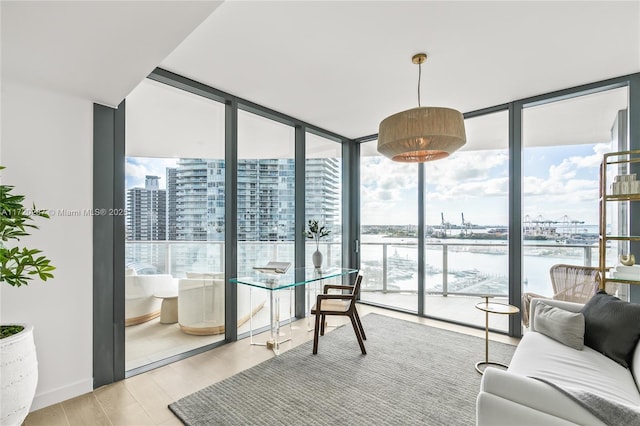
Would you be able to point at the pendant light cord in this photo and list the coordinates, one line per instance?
(419, 77)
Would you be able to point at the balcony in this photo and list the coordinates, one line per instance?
(457, 274)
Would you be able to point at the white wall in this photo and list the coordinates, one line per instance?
(46, 146)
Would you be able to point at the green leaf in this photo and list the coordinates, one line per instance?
(17, 265)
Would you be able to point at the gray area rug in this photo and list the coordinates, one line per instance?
(412, 374)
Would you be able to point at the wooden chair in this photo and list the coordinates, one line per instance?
(343, 303)
(571, 283)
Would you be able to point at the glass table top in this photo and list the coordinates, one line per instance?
(292, 278)
(497, 308)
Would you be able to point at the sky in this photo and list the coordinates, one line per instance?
(559, 182)
(136, 168)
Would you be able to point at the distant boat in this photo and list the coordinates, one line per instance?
(400, 267)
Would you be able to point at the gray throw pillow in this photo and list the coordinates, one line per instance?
(612, 327)
(561, 325)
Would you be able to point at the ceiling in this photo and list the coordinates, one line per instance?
(96, 50)
(342, 66)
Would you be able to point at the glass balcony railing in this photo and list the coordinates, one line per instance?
(452, 268)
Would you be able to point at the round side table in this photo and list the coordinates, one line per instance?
(494, 308)
(168, 308)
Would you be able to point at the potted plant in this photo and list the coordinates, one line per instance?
(315, 232)
(18, 266)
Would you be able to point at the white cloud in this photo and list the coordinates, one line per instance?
(136, 168)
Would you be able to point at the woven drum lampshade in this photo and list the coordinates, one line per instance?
(421, 134)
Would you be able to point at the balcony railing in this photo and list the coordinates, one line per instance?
(389, 267)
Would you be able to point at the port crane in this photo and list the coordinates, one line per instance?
(466, 225)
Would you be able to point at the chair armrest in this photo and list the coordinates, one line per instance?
(334, 296)
(337, 287)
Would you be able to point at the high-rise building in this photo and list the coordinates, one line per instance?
(171, 203)
(192, 208)
(266, 198)
(199, 189)
(323, 191)
(146, 212)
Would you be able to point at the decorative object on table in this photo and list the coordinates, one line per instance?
(627, 259)
(421, 134)
(274, 267)
(316, 232)
(18, 360)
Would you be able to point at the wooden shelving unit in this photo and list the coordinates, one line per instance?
(610, 161)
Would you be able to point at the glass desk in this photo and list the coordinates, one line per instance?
(273, 282)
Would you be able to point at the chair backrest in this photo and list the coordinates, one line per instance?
(573, 283)
(356, 285)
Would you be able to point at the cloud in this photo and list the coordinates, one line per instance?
(468, 166)
(478, 182)
(136, 168)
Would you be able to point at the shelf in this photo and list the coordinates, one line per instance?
(612, 163)
(621, 280)
(622, 238)
(623, 197)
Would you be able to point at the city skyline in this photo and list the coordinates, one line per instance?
(559, 182)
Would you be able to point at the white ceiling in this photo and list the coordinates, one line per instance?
(344, 66)
(97, 50)
(339, 65)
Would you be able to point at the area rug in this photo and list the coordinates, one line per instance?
(412, 374)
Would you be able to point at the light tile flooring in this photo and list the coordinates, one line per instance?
(151, 341)
(142, 400)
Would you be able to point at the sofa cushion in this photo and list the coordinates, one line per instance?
(540, 357)
(612, 327)
(561, 325)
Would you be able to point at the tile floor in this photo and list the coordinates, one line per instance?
(142, 400)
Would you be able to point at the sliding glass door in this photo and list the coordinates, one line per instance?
(175, 217)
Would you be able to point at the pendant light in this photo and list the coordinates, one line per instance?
(421, 134)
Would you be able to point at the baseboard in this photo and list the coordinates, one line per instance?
(45, 399)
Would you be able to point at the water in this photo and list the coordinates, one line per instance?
(474, 266)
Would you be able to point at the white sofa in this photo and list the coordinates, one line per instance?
(516, 397)
(140, 304)
(201, 304)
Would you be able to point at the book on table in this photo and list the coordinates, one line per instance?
(274, 267)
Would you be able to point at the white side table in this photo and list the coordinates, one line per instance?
(168, 308)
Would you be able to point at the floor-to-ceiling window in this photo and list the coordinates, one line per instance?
(175, 216)
(467, 220)
(563, 146)
(266, 206)
(184, 134)
(466, 225)
(323, 197)
(388, 230)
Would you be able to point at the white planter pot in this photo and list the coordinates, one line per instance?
(18, 376)
(316, 258)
